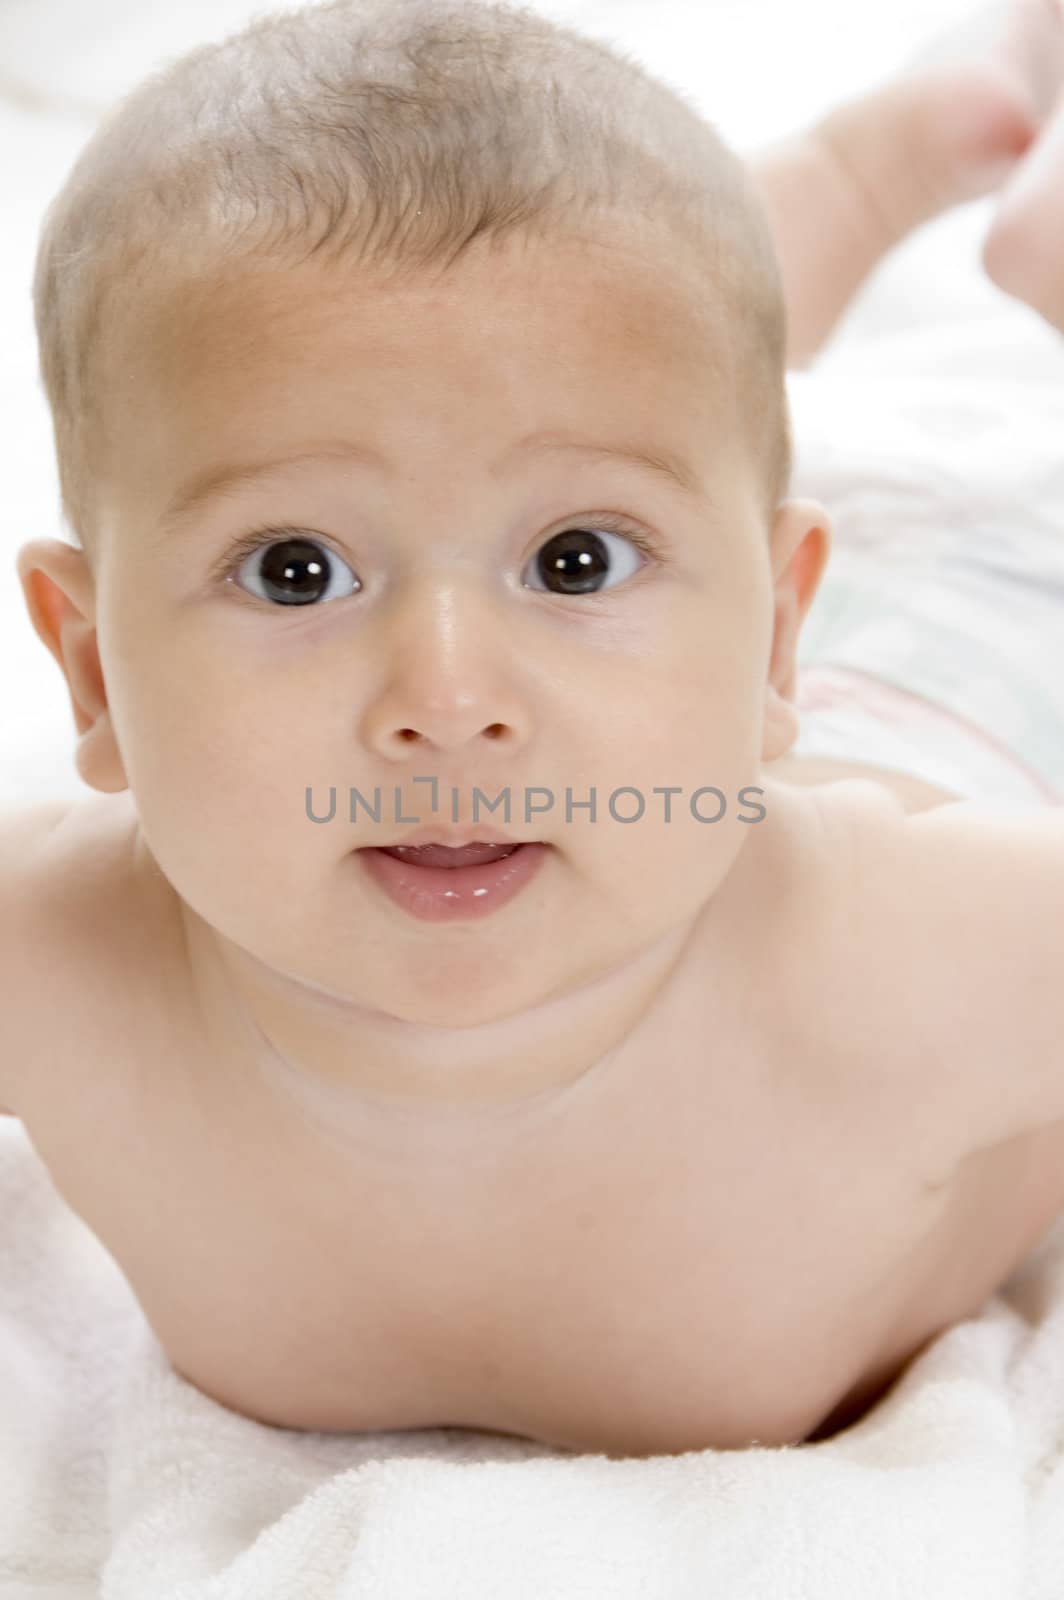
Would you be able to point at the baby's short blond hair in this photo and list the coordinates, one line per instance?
(390, 134)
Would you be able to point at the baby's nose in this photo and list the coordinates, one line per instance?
(448, 721)
(453, 679)
(406, 721)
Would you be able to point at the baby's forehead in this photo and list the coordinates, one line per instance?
(439, 374)
(635, 281)
(586, 340)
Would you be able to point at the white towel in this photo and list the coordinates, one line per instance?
(120, 1481)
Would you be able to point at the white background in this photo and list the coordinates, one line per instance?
(757, 68)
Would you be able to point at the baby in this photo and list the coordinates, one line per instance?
(462, 1006)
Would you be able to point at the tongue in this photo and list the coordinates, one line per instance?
(442, 855)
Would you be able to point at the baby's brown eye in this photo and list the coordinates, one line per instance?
(575, 561)
(297, 572)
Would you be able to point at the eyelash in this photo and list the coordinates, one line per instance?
(269, 533)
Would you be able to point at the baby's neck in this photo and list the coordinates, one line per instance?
(370, 1080)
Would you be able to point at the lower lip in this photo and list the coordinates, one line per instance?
(449, 894)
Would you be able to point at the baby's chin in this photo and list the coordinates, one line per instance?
(437, 985)
(402, 989)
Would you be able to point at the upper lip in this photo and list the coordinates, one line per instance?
(476, 833)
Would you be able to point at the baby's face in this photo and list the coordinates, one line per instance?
(437, 627)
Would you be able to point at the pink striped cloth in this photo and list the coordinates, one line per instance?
(852, 715)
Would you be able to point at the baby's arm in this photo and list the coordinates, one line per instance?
(23, 956)
(969, 910)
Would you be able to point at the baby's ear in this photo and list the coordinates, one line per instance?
(60, 595)
(799, 548)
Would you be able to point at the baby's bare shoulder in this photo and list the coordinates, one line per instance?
(24, 836)
(958, 918)
(881, 975)
(67, 899)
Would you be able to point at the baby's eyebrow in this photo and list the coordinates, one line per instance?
(666, 465)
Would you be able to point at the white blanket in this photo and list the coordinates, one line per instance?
(120, 1480)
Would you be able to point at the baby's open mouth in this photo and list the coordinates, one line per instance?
(443, 855)
(440, 882)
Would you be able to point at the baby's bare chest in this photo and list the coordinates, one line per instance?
(709, 1264)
